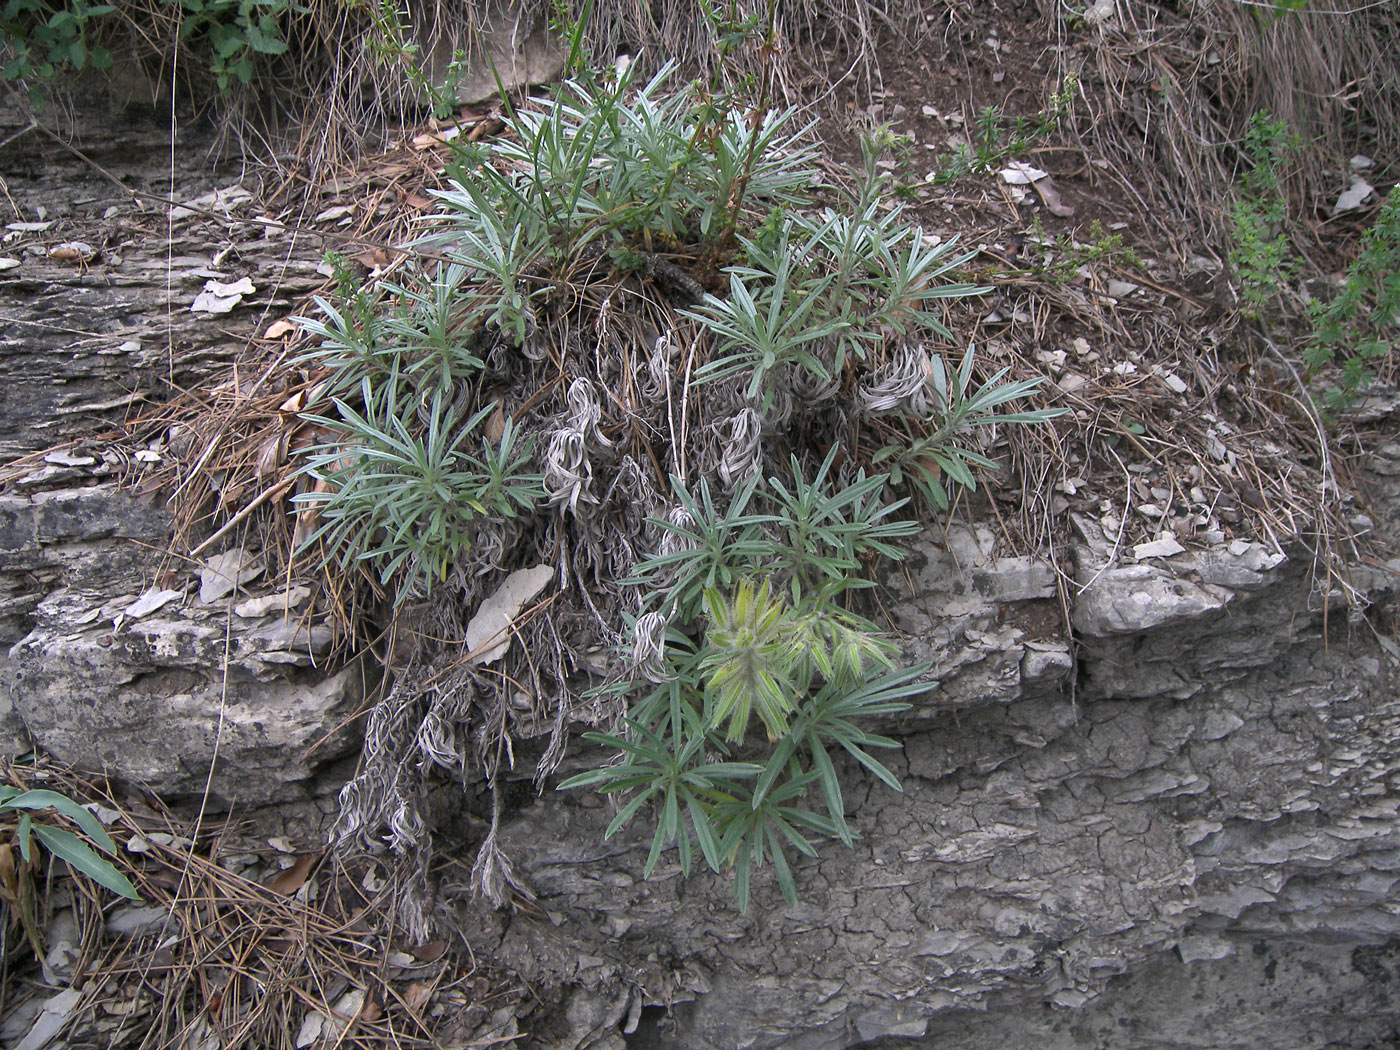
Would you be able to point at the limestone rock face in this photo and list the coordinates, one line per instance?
(108, 659)
(1147, 804)
(157, 697)
(1198, 781)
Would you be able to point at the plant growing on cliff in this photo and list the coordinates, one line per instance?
(1352, 329)
(1261, 255)
(691, 367)
(809, 672)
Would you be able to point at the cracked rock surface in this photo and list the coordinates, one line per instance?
(1170, 824)
(151, 697)
(1207, 766)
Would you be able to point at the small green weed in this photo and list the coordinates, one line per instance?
(1351, 330)
(1065, 258)
(1358, 324)
(997, 138)
(1261, 255)
(238, 34)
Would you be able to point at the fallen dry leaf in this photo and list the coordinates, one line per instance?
(272, 453)
(430, 952)
(337, 211)
(294, 404)
(1018, 173)
(294, 878)
(73, 252)
(282, 601)
(1353, 196)
(496, 424)
(488, 631)
(416, 995)
(9, 879)
(374, 259)
(278, 329)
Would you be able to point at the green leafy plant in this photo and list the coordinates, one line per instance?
(1063, 259)
(742, 813)
(707, 548)
(238, 33)
(77, 851)
(1261, 255)
(528, 209)
(45, 38)
(926, 449)
(819, 290)
(578, 264)
(779, 325)
(409, 501)
(998, 138)
(1357, 325)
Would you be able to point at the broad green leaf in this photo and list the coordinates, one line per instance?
(68, 847)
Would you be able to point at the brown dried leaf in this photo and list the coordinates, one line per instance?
(373, 259)
(294, 878)
(73, 252)
(416, 995)
(417, 201)
(9, 877)
(296, 403)
(496, 424)
(272, 453)
(278, 329)
(430, 952)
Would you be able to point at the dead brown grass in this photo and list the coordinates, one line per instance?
(228, 947)
(1168, 92)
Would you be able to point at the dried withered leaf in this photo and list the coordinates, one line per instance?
(287, 882)
(9, 878)
(496, 424)
(374, 259)
(272, 453)
(416, 995)
(73, 252)
(430, 952)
